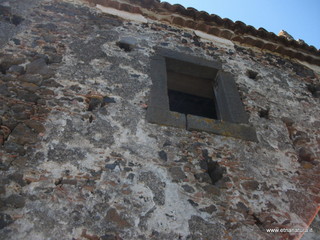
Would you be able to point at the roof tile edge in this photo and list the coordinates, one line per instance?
(214, 25)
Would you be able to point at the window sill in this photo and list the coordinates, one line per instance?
(240, 131)
(195, 123)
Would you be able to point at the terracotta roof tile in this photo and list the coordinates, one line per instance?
(215, 18)
(240, 24)
(270, 46)
(202, 27)
(215, 25)
(226, 34)
(228, 23)
(178, 20)
(178, 8)
(214, 31)
(262, 33)
(204, 16)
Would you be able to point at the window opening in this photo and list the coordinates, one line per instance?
(195, 94)
(191, 104)
(190, 88)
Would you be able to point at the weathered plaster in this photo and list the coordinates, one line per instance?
(211, 38)
(123, 14)
(90, 166)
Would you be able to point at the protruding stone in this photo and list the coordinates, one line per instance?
(5, 220)
(114, 217)
(32, 78)
(51, 83)
(9, 60)
(163, 155)
(203, 177)
(210, 209)
(188, 188)
(18, 178)
(215, 171)
(12, 147)
(29, 86)
(39, 66)
(9, 122)
(28, 96)
(127, 43)
(306, 155)
(15, 201)
(95, 103)
(2, 190)
(3, 108)
(212, 190)
(193, 203)
(51, 27)
(288, 121)
(177, 174)
(4, 90)
(251, 185)
(21, 111)
(112, 166)
(54, 58)
(315, 90)
(107, 100)
(5, 131)
(1, 139)
(23, 135)
(16, 70)
(35, 125)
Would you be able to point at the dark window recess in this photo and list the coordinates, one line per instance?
(264, 113)
(190, 88)
(126, 47)
(252, 74)
(191, 104)
(215, 171)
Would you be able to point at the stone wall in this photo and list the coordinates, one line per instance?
(80, 161)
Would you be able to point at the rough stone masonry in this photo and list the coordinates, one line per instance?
(78, 160)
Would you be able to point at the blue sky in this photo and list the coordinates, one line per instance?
(300, 18)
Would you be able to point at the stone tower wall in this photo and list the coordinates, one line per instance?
(79, 160)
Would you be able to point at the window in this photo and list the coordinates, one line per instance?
(190, 88)
(195, 94)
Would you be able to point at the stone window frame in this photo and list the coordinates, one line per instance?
(232, 119)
